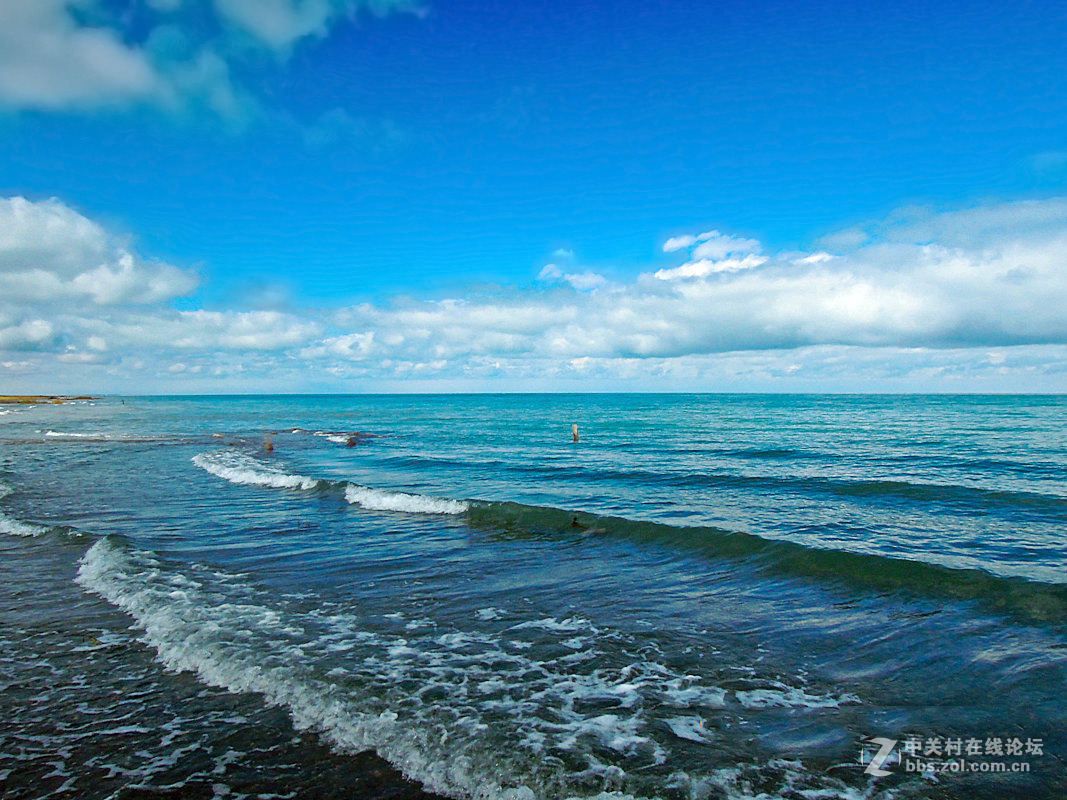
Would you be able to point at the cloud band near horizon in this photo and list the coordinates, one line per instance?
(893, 298)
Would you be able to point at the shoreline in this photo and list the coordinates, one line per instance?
(40, 399)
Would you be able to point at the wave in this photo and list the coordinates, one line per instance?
(955, 497)
(100, 436)
(241, 468)
(347, 438)
(381, 500)
(467, 713)
(16, 527)
(1030, 600)
(236, 467)
(192, 631)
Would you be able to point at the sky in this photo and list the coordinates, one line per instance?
(216, 196)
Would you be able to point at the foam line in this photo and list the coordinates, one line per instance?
(15, 527)
(242, 469)
(382, 500)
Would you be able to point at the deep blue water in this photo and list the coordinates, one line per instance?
(706, 596)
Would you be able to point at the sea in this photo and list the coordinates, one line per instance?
(404, 596)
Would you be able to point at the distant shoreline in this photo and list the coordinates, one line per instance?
(40, 399)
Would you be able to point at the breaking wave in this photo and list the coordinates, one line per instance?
(241, 468)
(16, 527)
(236, 467)
(381, 500)
(1031, 600)
(516, 712)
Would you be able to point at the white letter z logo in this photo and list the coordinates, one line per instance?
(875, 767)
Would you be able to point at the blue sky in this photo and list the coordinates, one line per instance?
(288, 195)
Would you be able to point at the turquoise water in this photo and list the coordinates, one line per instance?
(707, 596)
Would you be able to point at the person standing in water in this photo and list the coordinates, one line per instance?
(574, 431)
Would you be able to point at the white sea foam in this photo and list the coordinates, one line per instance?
(684, 693)
(237, 467)
(691, 728)
(383, 500)
(192, 633)
(783, 696)
(468, 713)
(560, 626)
(789, 779)
(336, 438)
(15, 527)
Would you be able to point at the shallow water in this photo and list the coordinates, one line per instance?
(708, 596)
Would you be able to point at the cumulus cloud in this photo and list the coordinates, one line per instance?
(278, 24)
(70, 287)
(29, 335)
(711, 252)
(582, 281)
(990, 276)
(48, 60)
(208, 331)
(711, 245)
(49, 252)
(85, 54)
(971, 295)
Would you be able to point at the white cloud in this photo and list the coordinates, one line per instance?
(82, 54)
(155, 330)
(278, 24)
(678, 242)
(711, 245)
(934, 300)
(582, 281)
(248, 330)
(49, 253)
(814, 258)
(351, 347)
(898, 290)
(709, 253)
(704, 267)
(29, 335)
(49, 61)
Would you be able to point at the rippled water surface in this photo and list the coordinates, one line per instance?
(707, 596)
